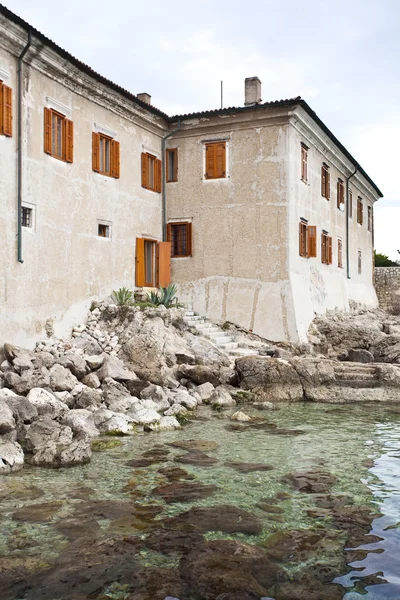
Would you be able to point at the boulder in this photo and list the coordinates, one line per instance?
(240, 416)
(24, 412)
(6, 366)
(387, 350)
(205, 352)
(116, 396)
(176, 409)
(340, 332)
(221, 397)
(11, 457)
(65, 397)
(265, 405)
(81, 421)
(94, 362)
(89, 399)
(200, 374)
(75, 363)
(92, 381)
(22, 364)
(44, 359)
(12, 352)
(269, 379)
(36, 378)
(144, 416)
(6, 393)
(61, 379)
(7, 422)
(168, 423)
(205, 390)
(114, 367)
(88, 344)
(107, 421)
(46, 403)
(185, 399)
(360, 356)
(153, 392)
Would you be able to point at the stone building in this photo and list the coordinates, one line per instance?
(258, 213)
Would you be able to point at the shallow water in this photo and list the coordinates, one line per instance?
(359, 445)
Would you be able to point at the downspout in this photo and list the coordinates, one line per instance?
(163, 170)
(347, 224)
(19, 157)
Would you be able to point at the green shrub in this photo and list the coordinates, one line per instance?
(165, 297)
(122, 297)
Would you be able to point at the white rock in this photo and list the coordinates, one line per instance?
(176, 409)
(240, 416)
(6, 393)
(11, 457)
(144, 416)
(65, 397)
(168, 423)
(220, 397)
(7, 422)
(94, 362)
(46, 403)
(81, 421)
(205, 390)
(107, 420)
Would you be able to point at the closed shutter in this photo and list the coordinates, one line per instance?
(323, 181)
(140, 271)
(7, 111)
(302, 239)
(157, 175)
(164, 264)
(96, 152)
(145, 170)
(312, 241)
(338, 194)
(1, 107)
(328, 185)
(220, 158)
(323, 249)
(210, 161)
(115, 160)
(69, 141)
(329, 251)
(189, 244)
(176, 164)
(47, 130)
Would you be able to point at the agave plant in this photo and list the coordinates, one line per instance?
(166, 297)
(122, 297)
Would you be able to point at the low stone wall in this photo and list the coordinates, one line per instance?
(387, 285)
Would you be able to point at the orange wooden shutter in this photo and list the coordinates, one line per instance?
(169, 232)
(115, 160)
(329, 261)
(189, 239)
(301, 239)
(312, 241)
(7, 111)
(1, 107)
(145, 170)
(176, 164)
(96, 152)
(220, 160)
(47, 130)
(157, 175)
(210, 160)
(69, 141)
(140, 271)
(164, 264)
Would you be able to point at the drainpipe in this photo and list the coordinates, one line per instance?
(347, 224)
(19, 159)
(163, 169)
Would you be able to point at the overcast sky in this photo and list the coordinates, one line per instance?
(341, 57)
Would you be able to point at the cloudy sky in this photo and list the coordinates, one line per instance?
(342, 57)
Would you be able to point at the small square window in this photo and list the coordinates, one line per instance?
(104, 230)
(27, 217)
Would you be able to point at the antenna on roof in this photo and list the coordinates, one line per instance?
(222, 94)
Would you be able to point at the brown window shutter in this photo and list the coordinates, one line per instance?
(303, 240)
(169, 232)
(1, 107)
(164, 264)
(145, 170)
(7, 111)
(188, 239)
(47, 130)
(210, 161)
(157, 175)
(329, 261)
(96, 152)
(220, 160)
(69, 141)
(115, 159)
(328, 185)
(176, 165)
(323, 247)
(140, 272)
(338, 194)
(323, 180)
(312, 241)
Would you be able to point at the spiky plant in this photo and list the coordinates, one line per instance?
(122, 297)
(166, 297)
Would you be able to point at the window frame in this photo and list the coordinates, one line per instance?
(105, 140)
(108, 225)
(369, 218)
(340, 201)
(340, 252)
(325, 181)
(189, 239)
(304, 163)
(32, 208)
(6, 116)
(360, 210)
(171, 152)
(326, 248)
(148, 159)
(50, 135)
(216, 175)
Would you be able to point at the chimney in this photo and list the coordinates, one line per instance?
(252, 91)
(144, 98)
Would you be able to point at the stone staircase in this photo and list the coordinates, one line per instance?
(357, 375)
(217, 336)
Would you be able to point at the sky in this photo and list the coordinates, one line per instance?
(342, 57)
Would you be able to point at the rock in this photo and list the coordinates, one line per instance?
(109, 422)
(24, 412)
(185, 399)
(311, 481)
(201, 445)
(46, 403)
(184, 491)
(360, 356)
(75, 363)
(344, 331)
(168, 423)
(205, 390)
(197, 458)
(221, 397)
(44, 359)
(222, 517)
(153, 392)
(144, 416)
(6, 393)
(270, 379)
(89, 398)
(81, 421)
(88, 344)
(36, 378)
(240, 416)
(12, 352)
(61, 379)
(22, 364)
(65, 397)
(176, 409)
(243, 467)
(185, 358)
(265, 405)
(11, 457)
(49, 444)
(7, 422)
(6, 366)
(116, 396)
(387, 350)
(92, 381)
(199, 374)
(94, 362)
(114, 367)
(38, 513)
(205, 352)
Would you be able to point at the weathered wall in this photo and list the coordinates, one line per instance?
(387, 285)
(66, 264)
(239, 268)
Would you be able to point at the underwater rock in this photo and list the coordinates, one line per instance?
(175, 473)
(197, 458)
(222, 517)
(172, 542)
(310, 482)
(243, 467)
(183, 491)
(201, 445)
(38, 513)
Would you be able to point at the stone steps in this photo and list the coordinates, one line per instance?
(357, 375)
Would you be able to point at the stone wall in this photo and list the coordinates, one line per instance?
(387, 285)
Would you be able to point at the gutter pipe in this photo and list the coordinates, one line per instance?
(347, 223)
(19, 157)
(163, 169)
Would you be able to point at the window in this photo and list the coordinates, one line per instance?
(58, 135)
(369, 218)
(105, 155)
(359, 262)
(151, 172)
(307, 240)
(5, 110)
(340, 253)
(304, 163)
(325, 182)
(326, 249)
(172, 164)
(180, 236)
(104, 230)
(340, 193)
(26, 217)
(350, 204)
(359, 211)
(153, 263)
(215, 161)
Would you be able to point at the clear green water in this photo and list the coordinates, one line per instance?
(337, 438)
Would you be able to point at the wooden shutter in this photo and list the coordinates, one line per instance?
(164, 264)
(220, 160)
(47, 130)
(176, 164)
(210, 161)
(189, 244)
(157, 175)
(7, 111)
(350, 203)
(302, 239)
(338, 194)
(140, 271)
(323, 181)
(69, 141)
(312, 241)
(1, 108)
(328, 185)
(115, 159)
(329, 250)
(323, 248)
(145, 170)
(96, 152)
(169, 232)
